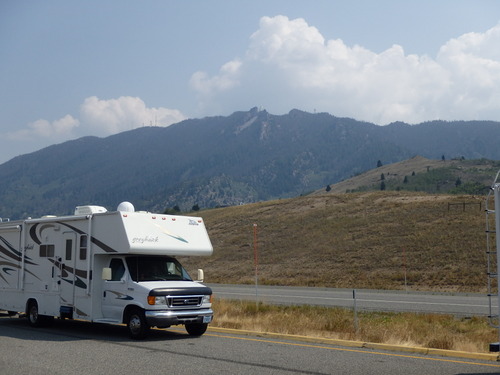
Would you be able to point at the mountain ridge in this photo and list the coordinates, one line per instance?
(245, 157)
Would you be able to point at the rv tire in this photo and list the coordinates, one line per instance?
(136, 324)
(196, 329)
(34, 318)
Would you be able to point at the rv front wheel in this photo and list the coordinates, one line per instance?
(196, 329)
(136, 323)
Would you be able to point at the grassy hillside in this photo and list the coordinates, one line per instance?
(355, 240)
(422, 174)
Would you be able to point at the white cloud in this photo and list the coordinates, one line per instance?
(473, 60)
(97, 117)
(227, 79)
(55, 130)
(112, 116)
(290, 64)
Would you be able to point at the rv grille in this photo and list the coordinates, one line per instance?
(184, 301)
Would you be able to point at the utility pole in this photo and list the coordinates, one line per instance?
(256, 263)
(496, 190)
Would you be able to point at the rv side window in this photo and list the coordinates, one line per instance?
(117, 269)
(46, 251)
(83, 247)
(69, 247)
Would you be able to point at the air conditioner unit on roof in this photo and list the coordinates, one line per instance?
(89, 210)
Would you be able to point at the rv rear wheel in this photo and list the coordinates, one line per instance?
(136, 323)
(196, 329)
(34, 318)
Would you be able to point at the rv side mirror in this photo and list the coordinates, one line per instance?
(201, 275)
(106, 273)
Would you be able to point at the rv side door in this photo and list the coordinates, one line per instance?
(66, 272)
(115, 296)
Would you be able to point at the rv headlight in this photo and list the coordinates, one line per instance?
(157, 300)
(206, 299)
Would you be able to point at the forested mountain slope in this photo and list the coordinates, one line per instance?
(246, 157)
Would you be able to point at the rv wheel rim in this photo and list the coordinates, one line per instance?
(33, 314)
(135, 324)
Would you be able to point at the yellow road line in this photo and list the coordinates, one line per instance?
(352, 350)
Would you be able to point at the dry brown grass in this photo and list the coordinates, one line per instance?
(407, 329)
(351, 241)
(354, 241)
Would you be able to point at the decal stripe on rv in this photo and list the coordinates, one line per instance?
(94, 240)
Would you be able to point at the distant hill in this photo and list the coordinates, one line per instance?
(457, 176)
(248, 156)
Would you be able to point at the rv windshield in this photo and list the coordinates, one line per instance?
(156, 269)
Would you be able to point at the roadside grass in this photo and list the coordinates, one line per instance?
(470, 334)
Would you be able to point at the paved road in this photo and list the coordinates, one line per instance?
(457, 304)
(71, 347)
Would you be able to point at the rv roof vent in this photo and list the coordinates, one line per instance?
(89, 210)
(126, 207)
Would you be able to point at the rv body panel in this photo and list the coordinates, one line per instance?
(146, 233)
(51, 262)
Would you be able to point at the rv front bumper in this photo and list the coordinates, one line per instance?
(166, 318)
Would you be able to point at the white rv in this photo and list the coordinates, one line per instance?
(107, 267)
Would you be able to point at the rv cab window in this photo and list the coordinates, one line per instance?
(117, 269)
(151, 268)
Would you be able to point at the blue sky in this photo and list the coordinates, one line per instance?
(75, 68)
